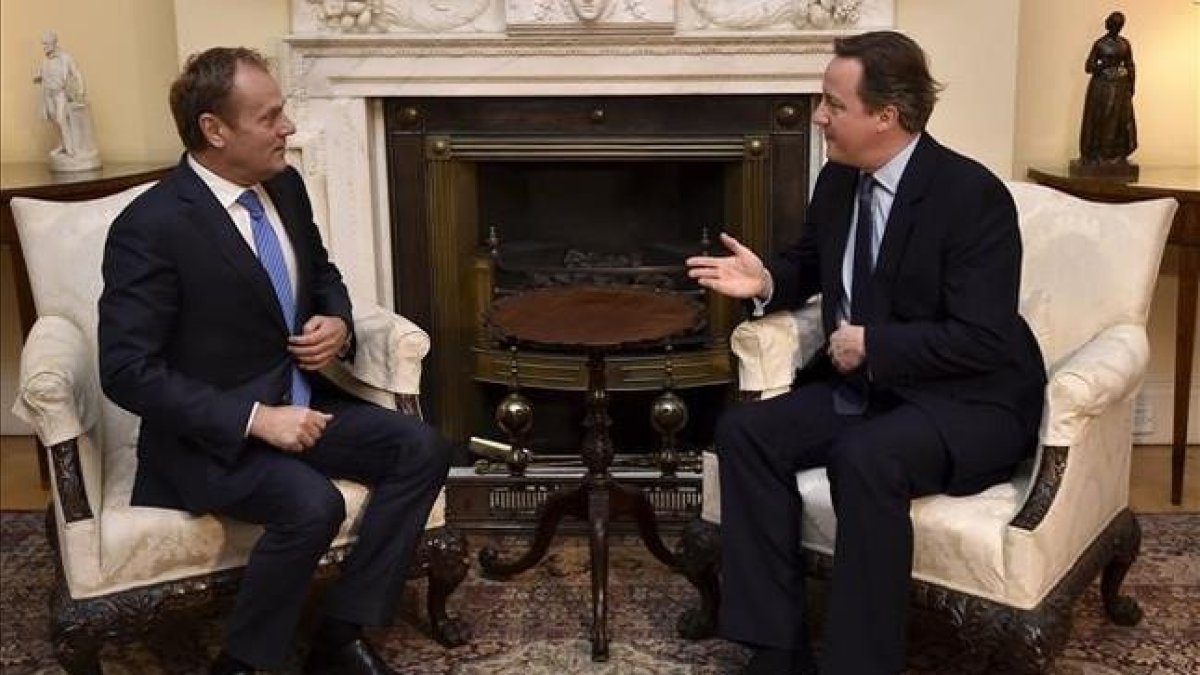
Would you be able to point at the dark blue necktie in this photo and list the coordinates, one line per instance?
(270, 255)
(864, 256)
(851, 395)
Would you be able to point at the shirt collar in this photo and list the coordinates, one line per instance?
(225, 190)
(888, 175)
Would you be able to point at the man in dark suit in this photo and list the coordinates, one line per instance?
(929, 382)
(219, 307)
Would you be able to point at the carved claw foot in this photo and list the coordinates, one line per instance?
(490, 563)
(446, 561)
(696, 624)
(699, 556)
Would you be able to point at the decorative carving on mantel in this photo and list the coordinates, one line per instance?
(585, 14)
(382, 16)
(765, 15)
(519, 18)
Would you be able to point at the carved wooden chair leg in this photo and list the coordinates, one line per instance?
(1122, 609)
(51, 529)
(448, 562)
(75, 640)
(699, 557)
(1032, 640)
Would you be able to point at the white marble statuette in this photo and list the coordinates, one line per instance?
(64, 103)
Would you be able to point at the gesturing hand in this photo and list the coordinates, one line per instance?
(740, 275)
(290, 428)
(318, 342)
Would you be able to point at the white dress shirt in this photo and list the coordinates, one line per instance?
(227, 193)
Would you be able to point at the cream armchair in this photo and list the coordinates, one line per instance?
(1006, 565)
(122, 567)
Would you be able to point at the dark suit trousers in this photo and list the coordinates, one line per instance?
(405, 463)
(877, 463)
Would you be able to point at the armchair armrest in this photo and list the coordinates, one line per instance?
(58, 393)
(387, 361)
(1106, 369)
(770, 349)
(59, 396)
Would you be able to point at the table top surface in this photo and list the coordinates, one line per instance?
(600, 318)
(16, 175)
(1184, 179)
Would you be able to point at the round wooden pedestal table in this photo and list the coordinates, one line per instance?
(596, 321)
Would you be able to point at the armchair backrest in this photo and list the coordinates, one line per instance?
(1087, 266)
(63, 247)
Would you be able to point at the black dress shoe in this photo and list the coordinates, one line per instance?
(768, 661)
(353, 658)
(227, 665)
(231, 671)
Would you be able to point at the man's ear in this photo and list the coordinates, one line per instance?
(213, 130)
(889, 116)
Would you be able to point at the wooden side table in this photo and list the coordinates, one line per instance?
(37, 181)
(595, 321)
(1183, 184)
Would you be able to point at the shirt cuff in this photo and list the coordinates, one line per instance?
(250, 420)
(760, 304)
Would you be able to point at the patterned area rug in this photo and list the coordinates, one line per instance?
(538, 622)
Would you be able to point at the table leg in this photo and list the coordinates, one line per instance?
(598, 500)
(632, 500)
(572, 503)
(1185, 345)
(598, 515)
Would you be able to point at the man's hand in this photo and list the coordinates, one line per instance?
(290, 428)
(319, 342)
(848, 347)
(740, 275)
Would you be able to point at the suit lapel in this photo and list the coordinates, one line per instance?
(293, 225)
(213, 221)
(835, 246)
(914, 184)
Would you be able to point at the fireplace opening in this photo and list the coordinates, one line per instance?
(580, 213)
(498, 195)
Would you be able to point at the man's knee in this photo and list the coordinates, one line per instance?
(426, 451)
(856, 456)
(319, 514)
(732, 434)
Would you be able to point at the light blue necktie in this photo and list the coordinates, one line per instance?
(270, 254)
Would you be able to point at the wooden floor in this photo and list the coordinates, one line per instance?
(1149, 484)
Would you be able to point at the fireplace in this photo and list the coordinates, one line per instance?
(499, 194)
(695, 110)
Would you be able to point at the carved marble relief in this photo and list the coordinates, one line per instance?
(772, 15)
(589, 12)
(586, 16)
(380, 16)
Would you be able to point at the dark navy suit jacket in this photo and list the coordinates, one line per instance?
(191, 333)
(945, 333)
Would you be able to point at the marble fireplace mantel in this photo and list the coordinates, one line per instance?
(344, 56)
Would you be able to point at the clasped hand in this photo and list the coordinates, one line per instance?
(294, 428)
(847, 347)
(318, 342)
(289, 427)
